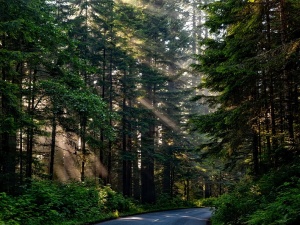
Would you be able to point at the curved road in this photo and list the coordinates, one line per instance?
(194, 216)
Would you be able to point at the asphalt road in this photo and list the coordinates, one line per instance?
(194, 216)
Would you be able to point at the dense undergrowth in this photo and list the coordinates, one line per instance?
(274, 199)
(49, 203)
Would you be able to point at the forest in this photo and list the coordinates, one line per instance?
(116, 107)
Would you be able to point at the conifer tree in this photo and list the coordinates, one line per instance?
(246, 64)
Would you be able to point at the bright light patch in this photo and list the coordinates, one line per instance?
(167, 121)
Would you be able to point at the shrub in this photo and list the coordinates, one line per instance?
(273, 199)
(285, 209)
(113, 201)
(8, 210)
(49, 203)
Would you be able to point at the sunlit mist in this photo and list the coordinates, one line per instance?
(166, 120)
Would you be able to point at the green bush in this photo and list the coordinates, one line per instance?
(208, 202)
(113, 201)
(8, 210)
(285, 209)
(79, 201)
(274, 199)
(49, 203)
(75, 203)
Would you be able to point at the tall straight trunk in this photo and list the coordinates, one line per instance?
(147, 164)
(53, 142)
(172, 178)
(148, 151)
(109, 155)
(7, 152)
(85, 40)
(21, 156)
(136, 178)
(83, 124)
(8, 161)
(166, 182)
(272, 107)
(83, 117)
(286, 74)
(30, 130)
(8, 148)
(274, 139)
(268, 152)
(256, 132)
(260, 145)
(101, 151)
(129, 149)
(127, 176)
(266, 87)
(167, 177)
(255, 152)
(136, 172)
(20, 84)
(29, 151)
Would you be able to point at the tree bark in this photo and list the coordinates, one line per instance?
(53, 143)
(147, 165)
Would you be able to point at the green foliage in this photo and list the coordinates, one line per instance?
(284, 210)
(45, 202)
(166, 202)
(49, 203)
(250, 73)
(273, 199)
(8, 122)
(209, 202)
(114, 201)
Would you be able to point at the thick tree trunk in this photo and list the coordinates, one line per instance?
(167, 182)
(147, 165)
(53, 142)
(136, 176)
(7, 162)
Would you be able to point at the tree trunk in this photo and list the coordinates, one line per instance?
(126, 146)
(109, 157)
(101, 151)
(83, 125)
(255, 153)
(136, 172)
(53, 142)
(30, 130)
(167, 189)
(8, 144)
(147, 164)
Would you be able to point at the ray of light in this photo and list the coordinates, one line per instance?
(166, 120)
